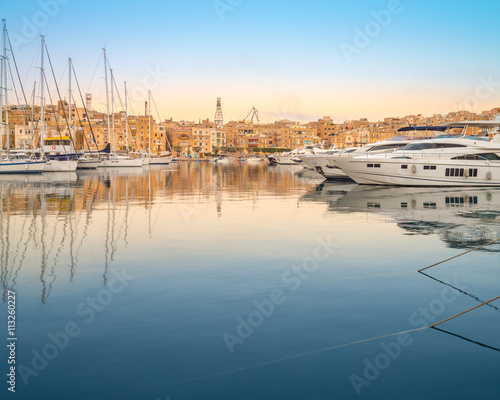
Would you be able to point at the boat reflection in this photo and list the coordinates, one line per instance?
(49, 223)
(464, 218)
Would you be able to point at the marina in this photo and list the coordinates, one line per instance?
(67, 237)
(249, 200)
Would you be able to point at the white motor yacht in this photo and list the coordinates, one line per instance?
(326, 164)
(257, 161)
(442, 161)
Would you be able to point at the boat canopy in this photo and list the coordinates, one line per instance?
(475, 124)
(50, 139)
(423, 128)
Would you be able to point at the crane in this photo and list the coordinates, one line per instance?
(254, 113)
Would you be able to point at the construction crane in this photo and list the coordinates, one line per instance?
(254, 113)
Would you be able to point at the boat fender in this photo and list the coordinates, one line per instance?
(488, 175)
(414, 168)
(466, 173)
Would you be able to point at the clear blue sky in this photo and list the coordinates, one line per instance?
(283, 57)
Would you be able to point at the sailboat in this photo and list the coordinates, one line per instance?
(17, 162)
(57, 150)
(115, 160)
(84, 162)
(160, 159)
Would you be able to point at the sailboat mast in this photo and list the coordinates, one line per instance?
(149, 126)
(113, 111)
(126, 115)
(107, 93)
(42, 107)
(5, 84)
(2, 127)
(69, 100)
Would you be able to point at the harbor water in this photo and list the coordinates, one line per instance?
(201, 281)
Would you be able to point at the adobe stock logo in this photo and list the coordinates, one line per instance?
(31, 27)
(373, 28)
(223, 6)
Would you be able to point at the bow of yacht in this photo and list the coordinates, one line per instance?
(441, 161)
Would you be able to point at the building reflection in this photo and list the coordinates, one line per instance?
(50, 222)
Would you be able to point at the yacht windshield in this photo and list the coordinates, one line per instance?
(432, 145)
(483, 156)
(386, 147)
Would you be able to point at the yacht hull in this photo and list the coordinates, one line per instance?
(60, 166)
(21, 167)
(331, 172)
(160, 161)
(314, 161)
(88, 164)
(285, 160)
(257, 161)
(422, 172)
(121, 163)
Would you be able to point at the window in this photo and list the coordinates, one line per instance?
(483, 156)
(454, 172)
(432, 145)
(404, 166)
(432, 206)
(385, 147)
(404, 205)
(449, 145)
(430, 167)
(460, 201)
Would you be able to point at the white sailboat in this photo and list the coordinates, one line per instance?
(115, 160)
(84, 162)
(17, 162)
(58, 148)
(159, 159)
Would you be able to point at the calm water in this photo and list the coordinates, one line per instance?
(206, 282)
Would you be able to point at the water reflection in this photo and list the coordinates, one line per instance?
(466, 339)
(463, 218)
(46, 220)
(49, 223)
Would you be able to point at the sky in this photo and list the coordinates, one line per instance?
(300, 60)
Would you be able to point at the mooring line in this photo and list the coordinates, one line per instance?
(464, 312)
(257, 365)
(199, 378)
(459, 255)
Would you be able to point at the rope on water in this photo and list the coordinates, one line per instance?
(459, 255)
(464, 312)
(258, 365)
